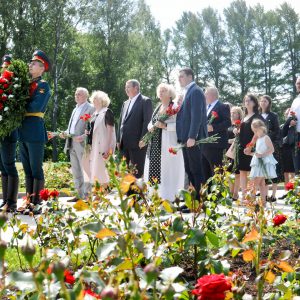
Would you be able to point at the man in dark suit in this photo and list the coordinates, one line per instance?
(135, 115)
(191, 126)
(218, 116)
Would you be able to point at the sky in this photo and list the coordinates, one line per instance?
(167, 12)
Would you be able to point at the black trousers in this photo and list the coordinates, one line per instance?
(193, 167)
(211, 158)
(136, 157)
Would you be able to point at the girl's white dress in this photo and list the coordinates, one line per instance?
(265, 166)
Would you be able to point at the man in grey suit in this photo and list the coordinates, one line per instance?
(191, 125)
(75, 145)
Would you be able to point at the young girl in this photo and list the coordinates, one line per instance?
(263, 163)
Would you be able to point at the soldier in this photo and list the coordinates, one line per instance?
(9, 173)
(32, 132)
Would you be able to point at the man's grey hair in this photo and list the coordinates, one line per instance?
(134, 83)
(214, 90)
(84, 90)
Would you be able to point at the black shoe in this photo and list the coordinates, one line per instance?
(73, 200)
(271, 199)
(282, 197)
(257, 194)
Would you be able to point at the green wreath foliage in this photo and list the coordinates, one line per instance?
(14, 95)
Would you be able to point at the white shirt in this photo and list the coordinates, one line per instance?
(75, 116)
(211, 106)
(296, 108)
(186, 88)
(264, 115)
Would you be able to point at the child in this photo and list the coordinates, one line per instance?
(263, 163)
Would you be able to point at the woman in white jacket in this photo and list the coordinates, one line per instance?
(162, 167)
(102, 138)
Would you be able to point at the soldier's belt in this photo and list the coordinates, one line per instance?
(35, 114)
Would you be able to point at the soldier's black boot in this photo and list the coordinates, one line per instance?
(38, 185)
(29, 186)
(12, 193)
(4, 180)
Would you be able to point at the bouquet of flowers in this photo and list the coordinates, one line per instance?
(59, 133)
(211, 139)
(14, 95)
(87, 142)
(171, 111)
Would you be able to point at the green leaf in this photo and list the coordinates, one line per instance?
(92, 227)
(196, 237)
(235, 252)
(213, 238)
(178, 225)
(103, 251)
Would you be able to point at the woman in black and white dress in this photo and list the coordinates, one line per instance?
(162, 167)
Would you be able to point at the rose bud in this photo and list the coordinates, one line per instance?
(109, 293)
(3, 219)
(3, 247)
(28, 252)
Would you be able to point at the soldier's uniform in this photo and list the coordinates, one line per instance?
(9, 173)
(32, 133)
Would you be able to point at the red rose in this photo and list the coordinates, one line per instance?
(1, 91)
(215, 114)
(69, 278)
(4, 97)
(289, 186)
(212, 287)
(3, 80)
(237, 122)
(5, 85)
(54, 194)
(44, 194)
(85, 117)
(173, 151)
(279, 219)
(7, 74)
(90, 293)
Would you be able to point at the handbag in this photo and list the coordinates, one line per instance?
(231, 151)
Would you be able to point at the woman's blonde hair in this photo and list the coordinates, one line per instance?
(238, 110)
(257, 123)
(100, 96)
(169, 88)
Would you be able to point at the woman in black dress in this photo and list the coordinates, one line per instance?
(272, 122)
(251, 106)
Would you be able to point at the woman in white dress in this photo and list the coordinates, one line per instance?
(102, 138)
(162, 167)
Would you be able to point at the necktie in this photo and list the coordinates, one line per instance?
(208, 107)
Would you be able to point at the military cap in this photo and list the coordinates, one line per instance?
(39, 55)
(6, 60)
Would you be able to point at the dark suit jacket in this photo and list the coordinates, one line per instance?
(33, 128)
(272, 123)
(220, 125)
(191, 121)
(134, 126)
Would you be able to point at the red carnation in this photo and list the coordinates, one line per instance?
(237, 122)
(69, 278)
(289, 186)
(1, 91)
(3, 80)
(44, 194)
(54, 194)
(5, 85)
(172, 111)
(215, 114)
(91, 293)
(292, 113)
(4, 97)
(85, 117)
(1, 106)
(250, 145)
(279, 219)
(212, 287)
